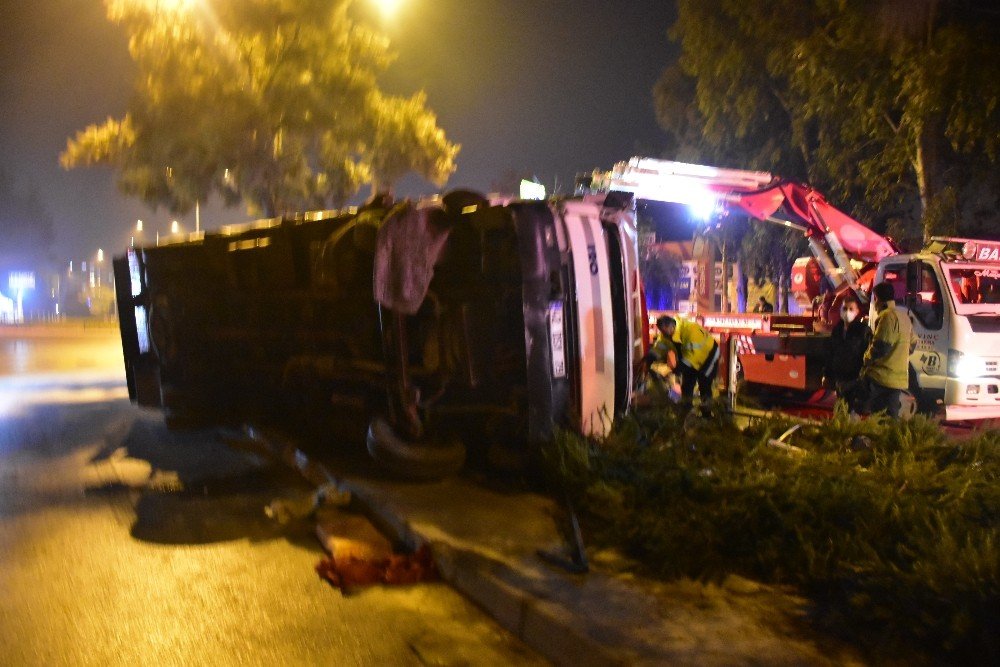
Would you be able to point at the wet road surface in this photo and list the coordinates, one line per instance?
(124, 543)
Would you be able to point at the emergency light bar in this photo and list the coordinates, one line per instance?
(973, 250)
(981, 251)
(682, 183)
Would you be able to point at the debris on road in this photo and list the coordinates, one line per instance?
(398, 569)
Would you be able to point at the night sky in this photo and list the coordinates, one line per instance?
(547, 87)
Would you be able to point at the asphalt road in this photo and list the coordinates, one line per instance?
(123, 543)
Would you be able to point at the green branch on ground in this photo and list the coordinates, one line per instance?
(892, 530)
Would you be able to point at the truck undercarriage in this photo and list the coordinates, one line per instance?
(472, 325)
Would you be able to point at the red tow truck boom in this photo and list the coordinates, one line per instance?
(834, 237)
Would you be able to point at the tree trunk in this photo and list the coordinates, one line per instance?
(725, 307)
(928, 168)
(784, 279)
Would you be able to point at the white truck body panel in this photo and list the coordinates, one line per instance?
(585, 236)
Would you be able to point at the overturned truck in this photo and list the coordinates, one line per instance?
(442, 329)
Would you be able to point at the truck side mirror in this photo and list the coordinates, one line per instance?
(913, 282)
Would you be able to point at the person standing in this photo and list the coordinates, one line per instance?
(886, 364)
(763, 306)
(845, 350)
(697, 357)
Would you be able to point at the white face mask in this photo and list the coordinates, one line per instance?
(849, 315)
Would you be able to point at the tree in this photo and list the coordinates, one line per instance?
(892, 107)
(728, 98)
(274, 103)
(768, 252)
(922, 121)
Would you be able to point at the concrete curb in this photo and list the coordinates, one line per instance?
(545, 626)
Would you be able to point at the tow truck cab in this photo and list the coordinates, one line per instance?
(951, 292)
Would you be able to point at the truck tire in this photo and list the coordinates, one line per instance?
(924, 405)
(410, 460)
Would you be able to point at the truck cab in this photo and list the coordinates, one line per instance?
(951, 293)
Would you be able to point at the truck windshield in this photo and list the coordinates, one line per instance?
(975, 287)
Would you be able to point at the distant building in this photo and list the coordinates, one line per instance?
(8, 311)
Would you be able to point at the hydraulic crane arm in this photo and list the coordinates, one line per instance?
(834, 237)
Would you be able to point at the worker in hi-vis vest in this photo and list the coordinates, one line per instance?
(885, 369)
(697, 355)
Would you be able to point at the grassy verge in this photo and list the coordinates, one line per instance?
(890, 529)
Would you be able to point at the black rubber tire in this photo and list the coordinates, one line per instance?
(907, 405)
(414, 461)
(925, 405)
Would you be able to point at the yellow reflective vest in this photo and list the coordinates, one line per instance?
(892, 337)
(693, 343)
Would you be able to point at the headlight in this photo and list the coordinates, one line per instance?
(961, 365)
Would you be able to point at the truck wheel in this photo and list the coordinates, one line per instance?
(907, 405)
(924, 405)
(410, 460)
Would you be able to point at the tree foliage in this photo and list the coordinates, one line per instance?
(891, 107)
(274, 103)
(892, 529)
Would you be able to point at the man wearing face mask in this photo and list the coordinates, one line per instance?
(846, 350)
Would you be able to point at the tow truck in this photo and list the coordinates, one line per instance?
(950, 289)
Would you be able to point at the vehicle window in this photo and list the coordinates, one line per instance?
(928, 307)
(972, 285)
(896, 274)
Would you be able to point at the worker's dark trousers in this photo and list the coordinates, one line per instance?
(882, 399)
(704, 377)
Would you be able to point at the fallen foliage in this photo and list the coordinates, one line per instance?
(891, 529)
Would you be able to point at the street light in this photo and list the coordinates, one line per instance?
(175, 227)
(389, 8)
(99, 266)
(178, 6)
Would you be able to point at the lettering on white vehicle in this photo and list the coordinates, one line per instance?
(597, 310)
(930, 363)
(927, 341)
(557, 340)
(592, 258)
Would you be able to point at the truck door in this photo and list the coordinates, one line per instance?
(925, 302)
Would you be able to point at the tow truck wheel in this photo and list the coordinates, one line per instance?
(416, 461)
(907, 405)
(924, 405)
